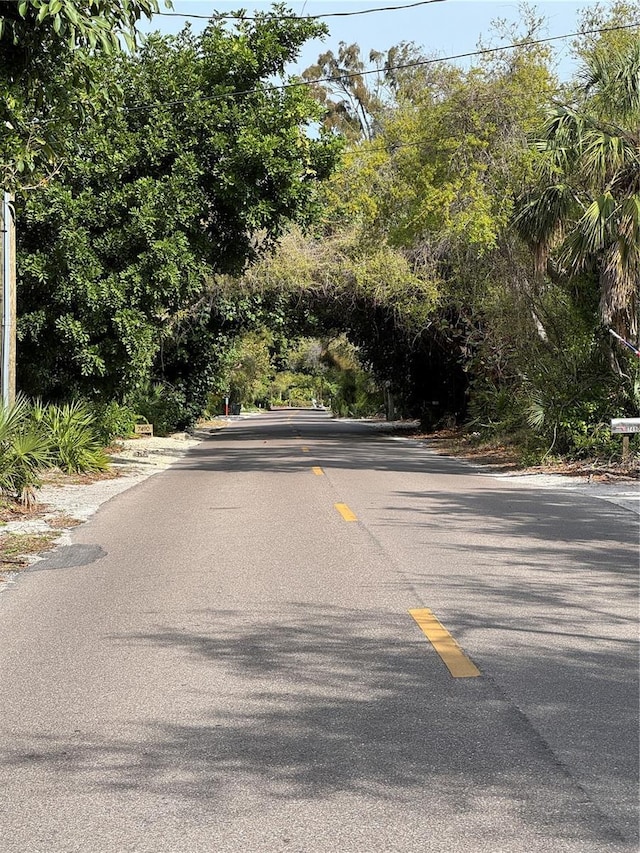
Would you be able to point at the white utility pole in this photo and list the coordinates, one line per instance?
(8, 295)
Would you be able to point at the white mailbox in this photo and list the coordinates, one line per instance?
(625, 426)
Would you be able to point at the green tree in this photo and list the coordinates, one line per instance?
(195, 175)
(251, 372)
(351, 102)
(416, 252)
(358, 101)
(47, 79)
(587, 206)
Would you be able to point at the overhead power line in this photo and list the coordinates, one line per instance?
(234, 16)
(401, 67)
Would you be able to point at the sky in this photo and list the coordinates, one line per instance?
(442, 27)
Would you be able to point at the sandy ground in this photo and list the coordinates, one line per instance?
(613, 483)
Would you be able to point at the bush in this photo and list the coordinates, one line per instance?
(555, 397)
(356, 395)
(114, 420)
(74, 437)
(164, 406)
(24, 452)
(35, 436)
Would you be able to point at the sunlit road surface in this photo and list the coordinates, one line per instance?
(249, 652)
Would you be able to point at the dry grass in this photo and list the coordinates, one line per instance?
(11, 510)
(62, 521)
(453, 442)
(212, 422)
(55, 477)
(597, 471)
(16, 547)
(504, 457)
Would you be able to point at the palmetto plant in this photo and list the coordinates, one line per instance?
(588, 204)
(24, 452)
(73, 437)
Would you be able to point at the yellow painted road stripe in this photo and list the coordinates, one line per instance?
(452, 655)
(318, 471)
(345, 512)
(305, 449)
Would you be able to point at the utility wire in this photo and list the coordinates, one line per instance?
(216, 16)
(348, 76)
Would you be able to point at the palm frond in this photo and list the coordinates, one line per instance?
(603, 157)
(564, 127)
(541, 220)
(630, 218)
(620, 296)
(536, 414)
(592, 147)
(12, 418)
(592, 233)
(23, 455)
(612, 78)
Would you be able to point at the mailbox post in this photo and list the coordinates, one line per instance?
(625, 427)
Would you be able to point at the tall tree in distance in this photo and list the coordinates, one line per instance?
(355, 97)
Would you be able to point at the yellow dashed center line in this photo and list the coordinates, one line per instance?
(345, 512)
(305, 449)
(318, 471)
(452, 655)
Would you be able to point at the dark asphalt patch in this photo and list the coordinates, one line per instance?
(69, 557)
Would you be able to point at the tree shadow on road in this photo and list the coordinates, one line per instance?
(318, 703)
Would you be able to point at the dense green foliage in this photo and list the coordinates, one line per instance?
(196, 174)
(588, 196)
(114, 420)
(478, 239)
(267, 370)
(48, 83)
(417, 219)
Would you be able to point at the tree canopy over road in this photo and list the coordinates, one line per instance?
(474, 232)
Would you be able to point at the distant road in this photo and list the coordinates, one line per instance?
(307, 637)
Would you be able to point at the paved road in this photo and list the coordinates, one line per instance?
(222, 662)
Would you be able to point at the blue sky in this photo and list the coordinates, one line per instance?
(444, 28)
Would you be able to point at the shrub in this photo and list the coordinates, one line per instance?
(356, 395)
(164, 406)
(24, 452)
(115, 420)
(74, 438)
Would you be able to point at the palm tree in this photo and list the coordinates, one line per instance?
(588, 206)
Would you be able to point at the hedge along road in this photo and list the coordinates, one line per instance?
(248, 651)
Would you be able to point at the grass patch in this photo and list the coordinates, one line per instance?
(16, 547)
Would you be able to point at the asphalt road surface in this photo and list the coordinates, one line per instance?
(225, 660)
